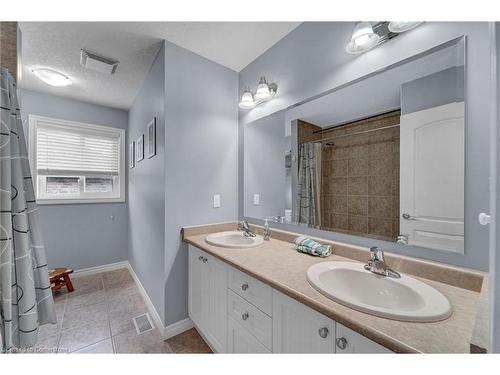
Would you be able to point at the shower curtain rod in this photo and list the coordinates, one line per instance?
(356, 133)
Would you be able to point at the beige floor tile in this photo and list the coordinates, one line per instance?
(134, 305)
(188, 342)
(76, 301)
(85, 315)
(74, 339)
(148, 342)
(101, 347)
(87, 284)
(118, 277)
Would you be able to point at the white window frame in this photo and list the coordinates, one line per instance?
(33, 124)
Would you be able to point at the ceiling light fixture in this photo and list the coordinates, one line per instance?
(401, 27)
(363, 38)
(52, 77)
(265, 91)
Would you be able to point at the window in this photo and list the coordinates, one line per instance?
(73, 162)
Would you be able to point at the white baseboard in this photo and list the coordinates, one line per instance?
(103, 268)
(177, 328)
(149, 305)
(165, 332)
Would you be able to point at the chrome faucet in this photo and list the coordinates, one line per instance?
(243, 226)
(267, 232)
(377, 264)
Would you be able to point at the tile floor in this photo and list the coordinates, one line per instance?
(97, 318)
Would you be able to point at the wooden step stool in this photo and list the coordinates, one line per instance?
(59, 278)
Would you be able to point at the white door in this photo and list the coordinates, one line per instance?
(239, 340)
(348, 341)
(216, 303)
(197, 282)
(432, 177)
(299, 329)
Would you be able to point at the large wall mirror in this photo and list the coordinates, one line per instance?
(381, 157)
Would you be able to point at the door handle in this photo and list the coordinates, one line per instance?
(407, 216)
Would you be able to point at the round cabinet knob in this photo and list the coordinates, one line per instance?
(205, 260)
(323, 332)
(244, 286)
(341, 343)
(200, 258)
(244, 316)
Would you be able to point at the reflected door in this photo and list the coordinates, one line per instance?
(432, 177)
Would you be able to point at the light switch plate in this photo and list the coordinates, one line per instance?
(256, 199)
(216, 200)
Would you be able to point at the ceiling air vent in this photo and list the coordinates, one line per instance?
(98, 63)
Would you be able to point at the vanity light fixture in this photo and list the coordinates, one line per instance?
(401, 27)
(363, 38)
(52, 77)
(265, 91)
(247, 101)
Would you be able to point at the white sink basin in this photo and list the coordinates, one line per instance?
(405, 299)
(234, 239)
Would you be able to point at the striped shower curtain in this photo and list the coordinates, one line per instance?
(25, 295)
(309, 184)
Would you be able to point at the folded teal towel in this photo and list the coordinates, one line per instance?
(307, 245)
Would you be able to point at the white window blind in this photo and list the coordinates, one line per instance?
(76, 150)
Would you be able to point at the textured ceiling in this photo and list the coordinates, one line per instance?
(57, 45)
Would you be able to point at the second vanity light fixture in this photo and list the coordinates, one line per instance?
(367, 35)
(265, 92)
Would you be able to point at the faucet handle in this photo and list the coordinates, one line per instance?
(376, 254)
(243, 225)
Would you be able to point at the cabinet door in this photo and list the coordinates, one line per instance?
(239, 340)
(348, 341)
(216, 303)
(299, 329)
(197, 286)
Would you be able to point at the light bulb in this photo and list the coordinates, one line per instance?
(363, 38)
(262, 92)
(247, 101)
(401, 27)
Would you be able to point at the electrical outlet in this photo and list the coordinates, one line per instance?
(216, 200)
(256, 199)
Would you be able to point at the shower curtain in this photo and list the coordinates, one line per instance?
(25, 295)
(309, 183)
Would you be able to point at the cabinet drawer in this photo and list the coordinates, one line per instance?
(254, 291)
(251, 318)
(239, 340)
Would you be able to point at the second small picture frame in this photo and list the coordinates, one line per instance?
(139, 149)
(152, 138)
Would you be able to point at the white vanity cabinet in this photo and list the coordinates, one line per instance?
(300, 329)
(208, 297)
(239, 314)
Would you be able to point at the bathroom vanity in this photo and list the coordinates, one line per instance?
(258, 300)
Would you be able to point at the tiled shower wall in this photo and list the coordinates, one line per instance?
(360, 178)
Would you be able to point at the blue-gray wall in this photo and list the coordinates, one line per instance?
(146, 187)
(264, 166)
(201, 138)
(80, 235)
(311, 60)
(444, 87)
(494, 279)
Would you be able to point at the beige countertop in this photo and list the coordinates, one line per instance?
(279, 265)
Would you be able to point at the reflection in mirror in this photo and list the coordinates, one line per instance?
(381, 158)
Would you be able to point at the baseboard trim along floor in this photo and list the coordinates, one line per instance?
(166, 332)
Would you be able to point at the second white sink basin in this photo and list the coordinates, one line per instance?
(405, 299)
(234, 239)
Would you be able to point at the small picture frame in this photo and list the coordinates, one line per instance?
(131, 155)
(152, 138)
(139, 149)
